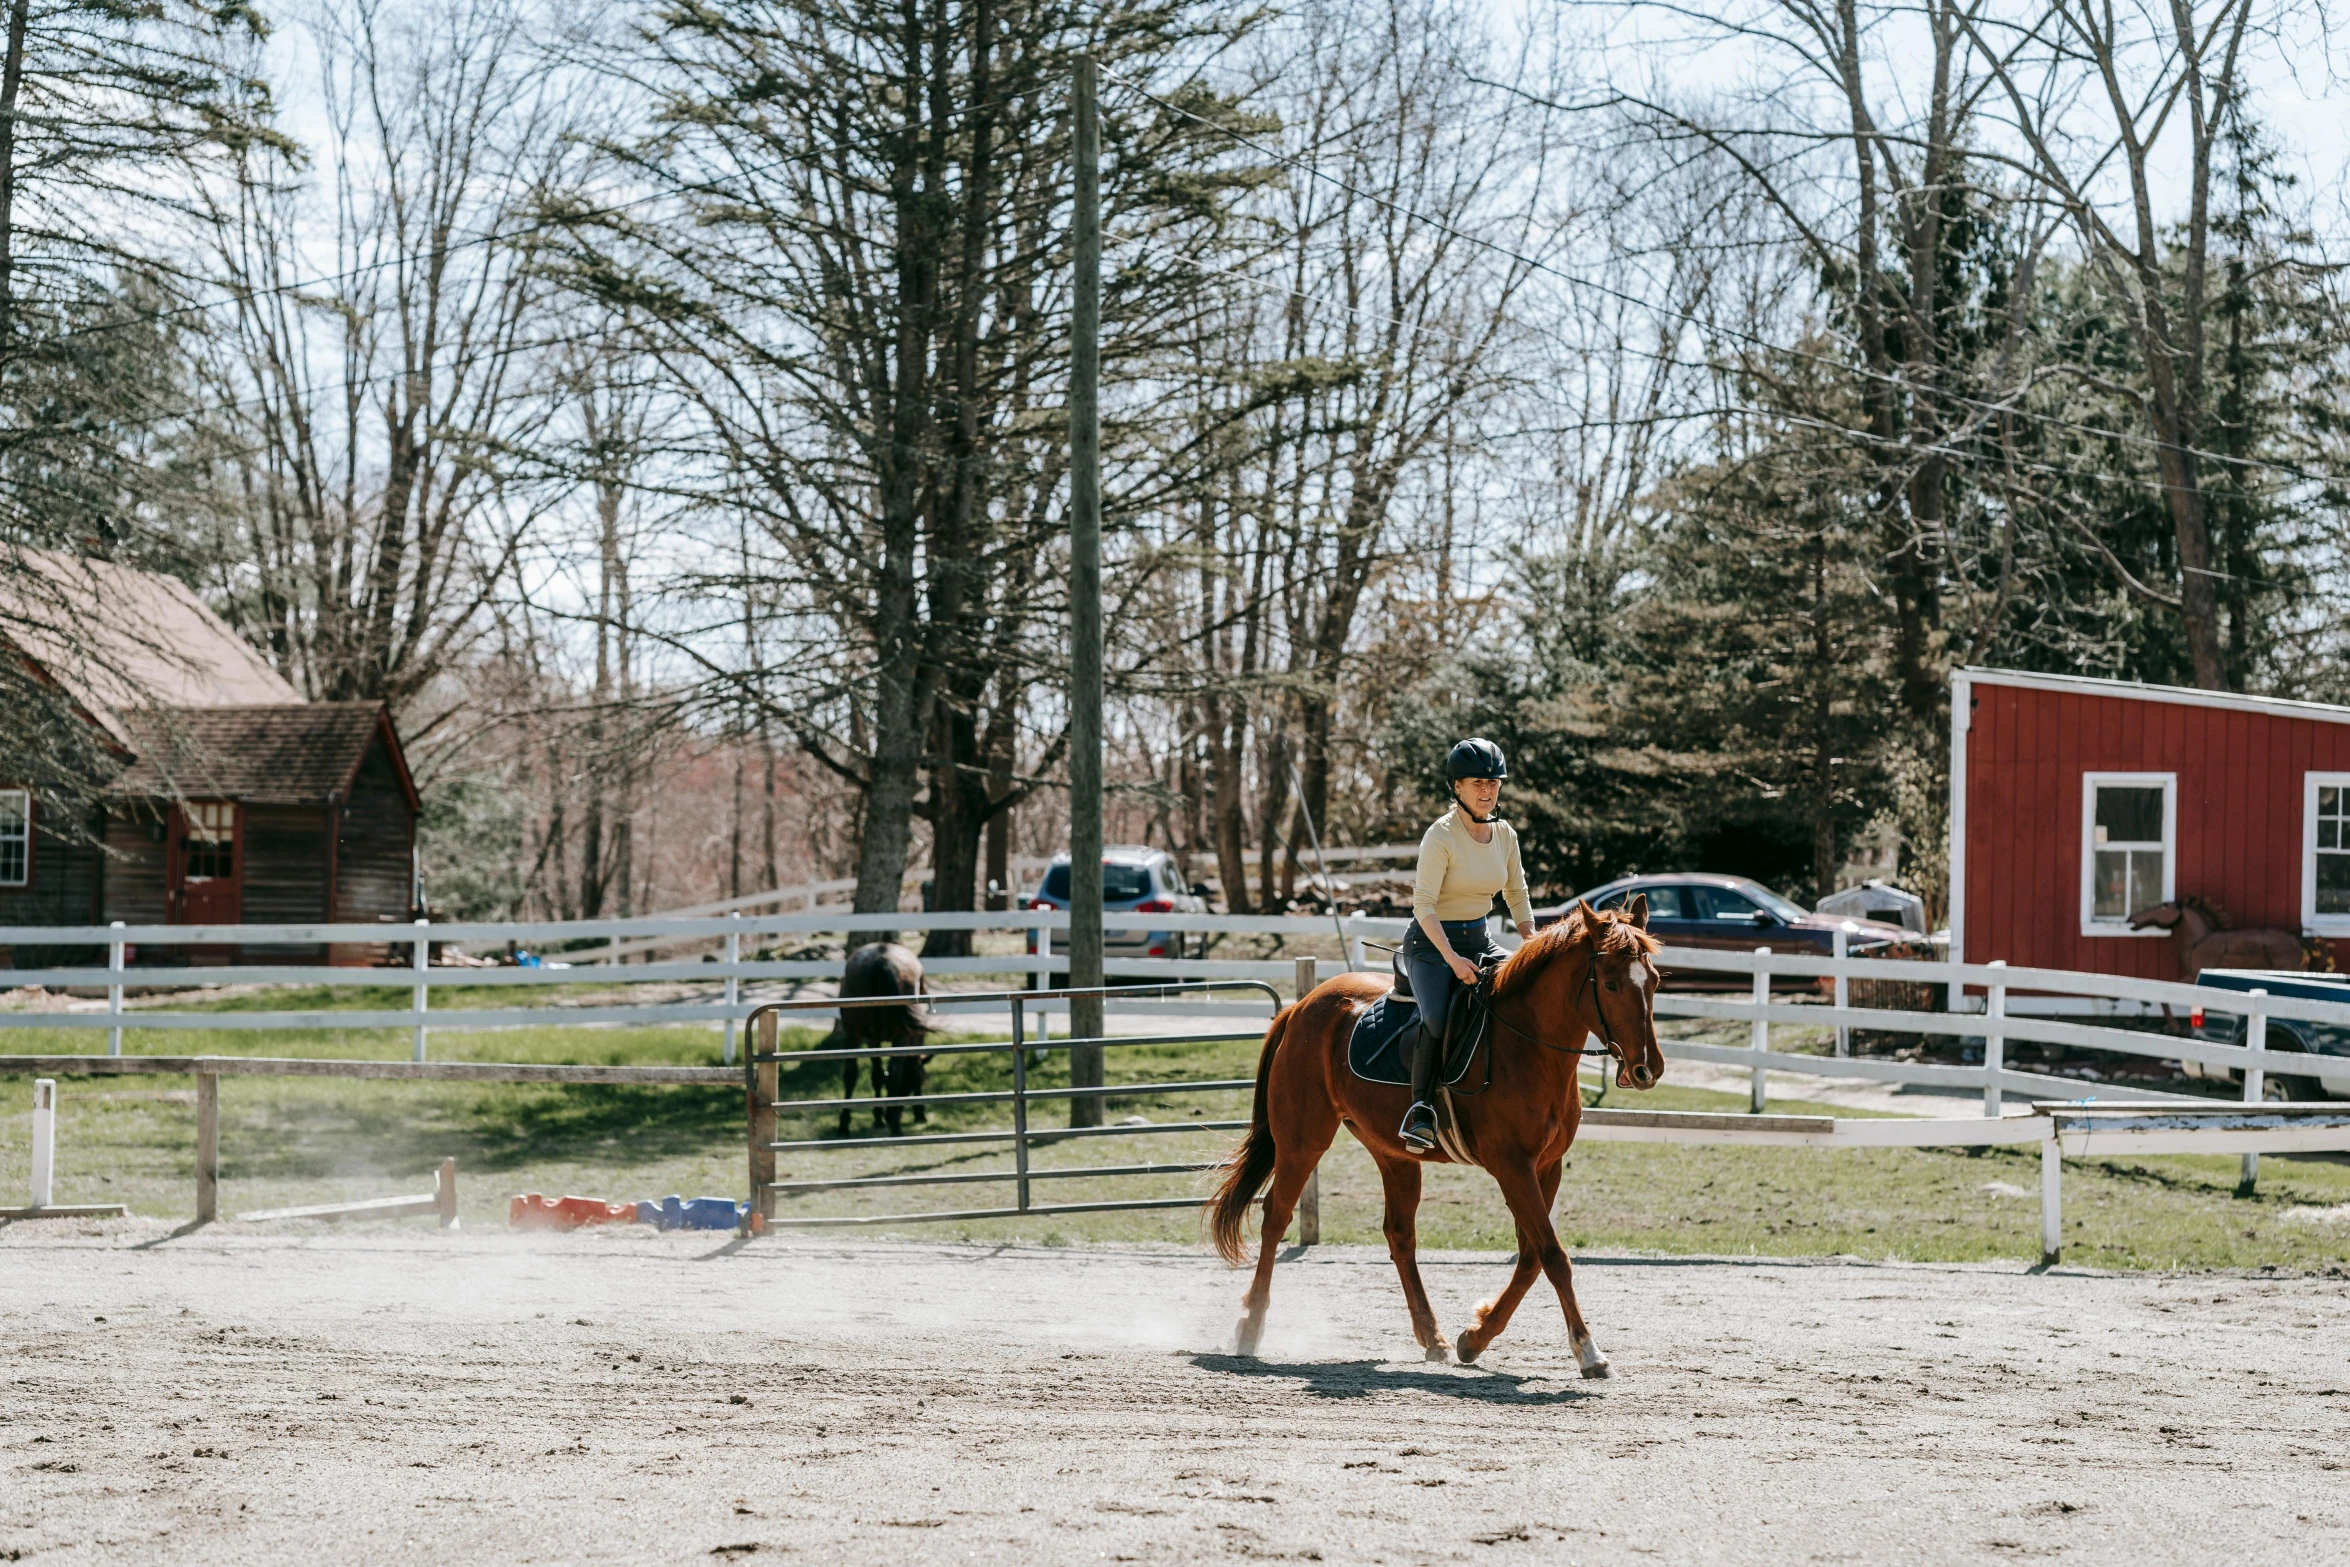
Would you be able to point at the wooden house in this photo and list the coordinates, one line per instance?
(2076, 803)
(234, 802)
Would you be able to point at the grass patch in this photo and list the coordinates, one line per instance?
(292, 1140)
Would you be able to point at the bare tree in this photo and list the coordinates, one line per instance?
(2092, 92)
(380, 385)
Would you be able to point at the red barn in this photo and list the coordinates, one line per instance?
(2076, 802)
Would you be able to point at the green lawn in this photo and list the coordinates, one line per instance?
(292, 1140)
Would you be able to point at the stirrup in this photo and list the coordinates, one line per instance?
(1419, 1128)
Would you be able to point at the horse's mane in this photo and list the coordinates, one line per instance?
(2218, 916)
(1613, 933)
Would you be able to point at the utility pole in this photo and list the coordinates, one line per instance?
(1085, 613)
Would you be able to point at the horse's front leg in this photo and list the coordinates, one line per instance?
(848, 1089)
(1486, 1323)
(1523, 1189)
(1400, 1179)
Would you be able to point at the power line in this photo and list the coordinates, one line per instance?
(451, 247)
(1534, 263)
(1897, 445)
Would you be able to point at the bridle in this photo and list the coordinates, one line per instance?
(1599, 1014)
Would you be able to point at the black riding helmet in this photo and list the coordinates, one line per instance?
(1475, 759)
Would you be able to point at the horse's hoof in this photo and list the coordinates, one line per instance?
(1436, 1354)
(1597, 1369)
(1460, 1347)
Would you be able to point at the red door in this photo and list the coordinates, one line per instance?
(207, 863)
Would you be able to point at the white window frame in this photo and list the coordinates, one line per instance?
(2312, 922)
(2090, 783)
(26, 880)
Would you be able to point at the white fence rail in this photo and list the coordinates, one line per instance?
(725, 1003)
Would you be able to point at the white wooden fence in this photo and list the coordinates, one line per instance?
(720, 981)
(2069, 1116)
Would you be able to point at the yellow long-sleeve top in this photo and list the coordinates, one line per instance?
(1459, 876)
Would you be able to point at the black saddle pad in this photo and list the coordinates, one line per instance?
(1375, 1052)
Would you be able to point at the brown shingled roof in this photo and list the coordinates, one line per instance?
(287, 753)
(120, 638)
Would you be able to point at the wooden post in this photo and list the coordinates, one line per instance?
(423, 987)
(2051, 1198)
(444, 1193)
(1309, 1202)
(114, 957)
(44, 1141)
(207, 1147)
(734, 956)
(2255, 1079)
(1020, 1103)
(762, 1080)
(1994, 1043)
(1085, 608)
(1843, 987)
(1760, 1042)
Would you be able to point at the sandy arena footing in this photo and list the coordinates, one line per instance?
(398, 1395)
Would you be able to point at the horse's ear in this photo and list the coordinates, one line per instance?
(1590, 914)
(1637, 911)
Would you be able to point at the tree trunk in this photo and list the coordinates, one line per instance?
(902, 684)
(11, 91)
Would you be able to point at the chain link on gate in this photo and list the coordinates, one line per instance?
(763, 1064)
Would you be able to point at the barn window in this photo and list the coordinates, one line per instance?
(2129, 828)
(16, 837)
(2325, 853)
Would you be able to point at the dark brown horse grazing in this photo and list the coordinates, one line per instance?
(882, 968)
(1589, 975)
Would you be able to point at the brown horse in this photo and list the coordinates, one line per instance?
(1589, 975)
(2204, 939)
(882, 968)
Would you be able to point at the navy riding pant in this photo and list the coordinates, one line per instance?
(1432, 982)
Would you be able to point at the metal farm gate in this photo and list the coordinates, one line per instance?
(764, 1064)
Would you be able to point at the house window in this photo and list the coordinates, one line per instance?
(2129, 831)
(16, 837)
(2325, 853)
(208, 850)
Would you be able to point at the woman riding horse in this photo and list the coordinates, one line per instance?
(1467, 855)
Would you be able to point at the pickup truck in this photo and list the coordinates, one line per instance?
(2329, 1043)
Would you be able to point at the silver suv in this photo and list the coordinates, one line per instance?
(1135, 880)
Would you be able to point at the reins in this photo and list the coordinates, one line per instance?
(1591, 985)
(1483, 990)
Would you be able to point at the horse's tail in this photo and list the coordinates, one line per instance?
(1251, 1164)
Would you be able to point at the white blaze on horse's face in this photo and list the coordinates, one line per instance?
(1641, 973)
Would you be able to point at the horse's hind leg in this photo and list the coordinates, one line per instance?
(1487, 1321)
(1294, 1163)
(1401, 1180)
(1522, 1188)
(848, 1089)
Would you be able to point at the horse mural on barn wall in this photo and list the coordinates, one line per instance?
(2203, 939)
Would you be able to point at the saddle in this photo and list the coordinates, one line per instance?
(1375, 1051)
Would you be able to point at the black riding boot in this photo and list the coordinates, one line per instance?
(1419, 1122)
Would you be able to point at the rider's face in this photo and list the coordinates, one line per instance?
(1480, 795)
